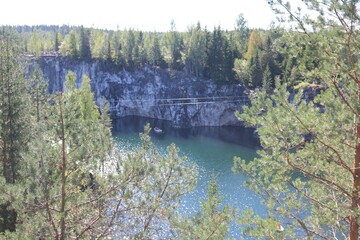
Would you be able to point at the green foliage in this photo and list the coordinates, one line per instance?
(267, 81)
(194, 55)
(153, 54)
(307, 170)
(71, 44)
(259, 228)
(220, 61)
(35, 44)
(14, 122)
(13, 114)
(85, 52)
(37, 90)
(98, 44)
(74, 183)
(172, 46)
(241, 35)
(211, 222)
(291, 172)
(197, 51)
(255, 70)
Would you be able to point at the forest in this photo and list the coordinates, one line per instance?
(252, 57)
(62, 177)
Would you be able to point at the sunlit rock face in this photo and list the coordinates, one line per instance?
(182, 99)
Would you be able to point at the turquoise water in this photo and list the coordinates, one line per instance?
(212, 150)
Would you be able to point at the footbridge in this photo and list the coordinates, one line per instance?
(182, 101)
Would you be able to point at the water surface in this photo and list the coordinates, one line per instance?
(212, 149)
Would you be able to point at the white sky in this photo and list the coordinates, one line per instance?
(147, 15)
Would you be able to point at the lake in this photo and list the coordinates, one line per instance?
(212, 149)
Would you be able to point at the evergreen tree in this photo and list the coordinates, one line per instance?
(268, 58)
(99, 44)
(241, 69)
(128, 43)
(216, 57)
(70, 45)
(109, 49)
(141, 48)
(255, 70)
(85, 53)
(35, 44)
(74, 49)
(242, 33)
(194, 55)
(229, 56)
(14, 122)
(267, 82)
(154, 55)
(115, 46)
(136, 53)
(76, 185)
(308, 169)
(57, 40)
(172, 47)
(37, 89)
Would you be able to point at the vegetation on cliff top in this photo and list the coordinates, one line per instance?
(252, 56)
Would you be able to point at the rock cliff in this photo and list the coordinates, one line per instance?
(182, 99)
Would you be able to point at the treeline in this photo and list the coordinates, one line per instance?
(252, 56)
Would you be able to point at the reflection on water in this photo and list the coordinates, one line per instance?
(212, 149)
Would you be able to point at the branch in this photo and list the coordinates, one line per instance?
(340, 162)
(215, 230)
(111, 220)
(312, 199)
(293, 215)
(90, 226)
(57, 236)
(309, 174)
(147, 224)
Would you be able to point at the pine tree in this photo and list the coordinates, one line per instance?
(14, 121)
(74, 48)
(154, 55)
(216, 57)
(128, 45)
(172, 47)
(241, 69)
(85, 53)
(75, 184)
(267, 82)
(194, 55)
(242, 33)
(37, 89)
(57, 41)
(35, 44)
(255, 70)
(308, 169)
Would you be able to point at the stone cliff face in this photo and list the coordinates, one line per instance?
(183, 100)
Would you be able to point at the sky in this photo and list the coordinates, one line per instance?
(146, 15)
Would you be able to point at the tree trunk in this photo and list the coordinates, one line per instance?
(63, 177)
(355, 204)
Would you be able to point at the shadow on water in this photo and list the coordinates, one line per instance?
(235, 135)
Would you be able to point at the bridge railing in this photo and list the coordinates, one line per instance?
(244, 100)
